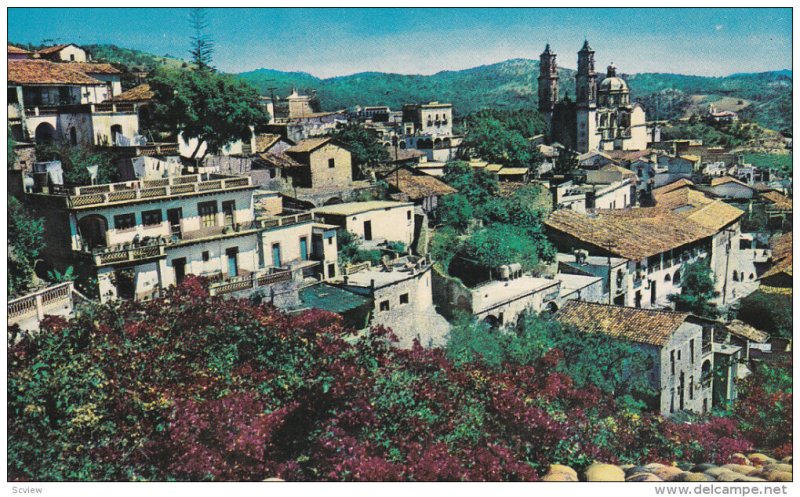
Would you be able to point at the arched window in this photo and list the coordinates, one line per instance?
(92, 229)
(115, 131)
(44, 134)
(676, 278)
(667, 278)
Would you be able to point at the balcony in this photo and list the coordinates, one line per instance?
(128, 253)
(278, 221)
(249, 281)
(37, 303)
(130, 191)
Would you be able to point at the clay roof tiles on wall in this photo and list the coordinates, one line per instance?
(308, 145)
(781, 256)
(93, 68)
(44, 72)
(778, 200)
(17, 50)
(728, 179)
(633, 234)
(648, 326)
(675, 185)
(697, 207)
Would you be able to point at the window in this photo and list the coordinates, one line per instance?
(331, 270)
(125, 221)
(72, 57)
(679, 355)
(672, 362)
(384, 306)
(208, 214)
(404, 298)
(330, 241)
(408, 215)
(205, 256)
(229, 210)
(691, 350)
(149, 218)
(691, 388)
(331, 163)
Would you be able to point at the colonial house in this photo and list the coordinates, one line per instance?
(611, 271)
(602, 189)
(326, 164)
(374, 222)
(679, 345)
(139, 237)
(672, 168)
(778, 278)
(655, 242)
(64, 53)
(399, 293)
(16, 53)
(62, 103)
(731, 188)
(412, 185)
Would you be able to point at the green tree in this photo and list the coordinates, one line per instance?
(25, 242)
(499, 244)
(493, 141)
(455, 211)
(202, 49)
(364, 146)
(215, 109)
(12, 152)
(76, 160)
(768, 312)
(566, 162)
(477, 185)
(697, 291)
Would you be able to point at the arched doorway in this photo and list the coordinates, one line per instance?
(45, 134)
(73, 136)
(551, 307)
(92, 229)
(492, 321)
(676, 278)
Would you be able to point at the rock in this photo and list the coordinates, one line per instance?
(749, 478)
(635, 470)
(560, 468)
(777, 476)
(559, 472)
(728, 475)
(558, 476)
(741, 469)
(715, 471)
(604, 472)
(779, 467)
(787, 460)
(667, 473)
(702, 468)
(759, 459)
(693, 477)
(685, 466)
(643, 477)
(273, 479)
(654, 465)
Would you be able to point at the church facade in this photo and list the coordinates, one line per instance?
(601, 117)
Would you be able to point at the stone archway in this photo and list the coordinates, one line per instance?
(45, 134)
(92, 229)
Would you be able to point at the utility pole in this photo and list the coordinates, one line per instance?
(727, 260)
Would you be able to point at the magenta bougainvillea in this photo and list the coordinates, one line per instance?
(193, 387)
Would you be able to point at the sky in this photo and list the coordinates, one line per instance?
(333, 42)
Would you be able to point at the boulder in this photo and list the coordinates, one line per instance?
(702, 468)
(559, 476)
(749, 478)
(560, 468)
(759, 459)
(643, 477)
(777, 476)
(787, 460)
(739, 458)
(654, 465)
(635, 470)
(693, 477)
(728, 475)
(604, 472)
(741, 469)
(715, 471)
(779, 467)
(667, 473)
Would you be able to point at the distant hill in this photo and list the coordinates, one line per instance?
(765, 97)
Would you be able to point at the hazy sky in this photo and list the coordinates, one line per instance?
(331, 42)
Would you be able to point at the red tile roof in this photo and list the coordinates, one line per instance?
(93, 68)
(53, 49)
(141, 93)
(648, 326)
(44, 72)
(17, 50)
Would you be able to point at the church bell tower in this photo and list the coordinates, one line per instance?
(548, 83)
(586, 100)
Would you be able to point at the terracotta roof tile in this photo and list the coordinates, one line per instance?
(778, 200)
(17, 50)
(744, 330)
(93, 68)
(681, 183)
(697, 207)
(781, 256)
(728, 179)
(417, 185)
(278, 160)
(266, 140)
(633, 234)
(53, 49)
(141, 93)
(651, 327)
(309, 145)
(44, 72)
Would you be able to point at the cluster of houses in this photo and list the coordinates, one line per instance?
(264, 218)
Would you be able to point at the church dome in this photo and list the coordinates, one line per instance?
(613, 83)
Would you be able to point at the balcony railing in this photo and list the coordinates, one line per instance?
(274, 222)
(35, 304)
(253, 280)
(146, 189)
(128, 254)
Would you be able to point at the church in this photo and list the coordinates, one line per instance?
(601, 117)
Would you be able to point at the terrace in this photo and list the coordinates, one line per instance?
(132, 191)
